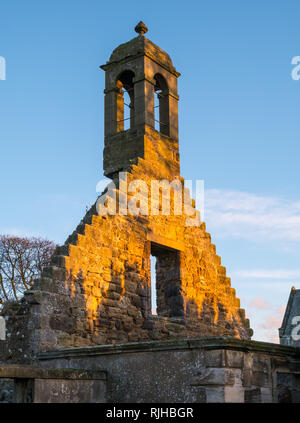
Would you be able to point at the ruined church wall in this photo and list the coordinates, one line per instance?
(204, 370)
(97, 289)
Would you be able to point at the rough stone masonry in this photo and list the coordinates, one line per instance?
(96, 293)
(97, 289)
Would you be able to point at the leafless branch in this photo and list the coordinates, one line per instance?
(21, 262)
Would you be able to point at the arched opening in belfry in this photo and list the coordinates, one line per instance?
(125, 101)
(161, 105)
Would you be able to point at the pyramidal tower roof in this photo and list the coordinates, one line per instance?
(139, 46)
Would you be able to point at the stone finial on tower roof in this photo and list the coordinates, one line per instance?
(141, 28)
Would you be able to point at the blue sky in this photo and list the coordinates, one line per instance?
(239, 125)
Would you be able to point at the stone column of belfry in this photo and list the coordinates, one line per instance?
(115, 111)
(173, 115)
(144, 100)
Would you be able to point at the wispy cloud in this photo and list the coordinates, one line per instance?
(267, 274)
(260, 304)
(250, 216)
(267, 328)
(273, 321)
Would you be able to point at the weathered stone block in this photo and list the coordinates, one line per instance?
(198, 395)
(69, 391)
(260, 363)
(234, 394)
(214, 376)
(215, 358)
(253, 395)
(247, 377)
(215, 394)
(266, 395)
(234, 358)
(260, 379)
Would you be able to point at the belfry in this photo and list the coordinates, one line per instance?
(142, 70)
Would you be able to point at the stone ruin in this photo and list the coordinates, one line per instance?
(94, 299)
(291, 320)
(97, 288)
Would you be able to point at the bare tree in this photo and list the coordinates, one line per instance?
(21, 262)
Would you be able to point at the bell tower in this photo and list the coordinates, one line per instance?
(143, 70)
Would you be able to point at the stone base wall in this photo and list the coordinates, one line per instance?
(201, 370)
(34, 384)
(6, 391)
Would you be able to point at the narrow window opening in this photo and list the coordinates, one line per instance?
(166, 298)
(127, 107)
(156, 110)
(153, 286)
